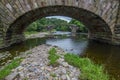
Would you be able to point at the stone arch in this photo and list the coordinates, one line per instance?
(98, 28)
(107, 11)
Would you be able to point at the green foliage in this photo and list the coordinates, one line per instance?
(25, 79)
(41, 24)
(79, 24)
(29, 52)
(76, 22)
(89, 70)
(7, 69)
(58, 24)
(53, 74)
(53, 57)
(32, 27)
(52, 51)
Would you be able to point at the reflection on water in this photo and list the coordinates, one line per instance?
(71, 45)
(107, 55)
(100, 53)
(13, 51)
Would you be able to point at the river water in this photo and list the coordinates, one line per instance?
(100, 53)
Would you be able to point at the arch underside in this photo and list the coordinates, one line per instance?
(97, 27)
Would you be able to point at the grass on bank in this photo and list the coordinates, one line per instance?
(7, 69)
(53, 57)
(89, 70)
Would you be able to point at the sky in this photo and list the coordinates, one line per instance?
(68, 19)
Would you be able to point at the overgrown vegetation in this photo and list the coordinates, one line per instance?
(82, 27)
(53, 57)
(89, 70)
(42, 24)
(57, 24)
(7, 69)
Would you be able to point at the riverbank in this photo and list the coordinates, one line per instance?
(36, 66)
(36, 35)
(31, 67)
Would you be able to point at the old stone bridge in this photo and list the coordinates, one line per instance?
(101, 17)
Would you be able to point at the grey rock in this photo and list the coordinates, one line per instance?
(20, 68)
(63, 70)
(63, 77)
(65, 64)
(12, 76)
(68, 77)
(74, 79)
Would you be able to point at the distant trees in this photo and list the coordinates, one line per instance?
(58, 24)
(82, 27)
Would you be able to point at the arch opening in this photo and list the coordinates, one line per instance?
(54, 24)
(97, 27)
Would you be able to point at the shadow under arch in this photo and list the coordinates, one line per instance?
(97, 27)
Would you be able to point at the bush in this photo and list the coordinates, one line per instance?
(53, 57)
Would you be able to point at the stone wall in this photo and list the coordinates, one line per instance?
(102, 17)
(117, 27)
(116, 36)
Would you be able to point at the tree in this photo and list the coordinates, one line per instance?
(59, 25)
(41, 24)
(32, 27)
(79, 24)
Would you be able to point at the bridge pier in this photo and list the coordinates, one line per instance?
(74, 29)
(50, 28)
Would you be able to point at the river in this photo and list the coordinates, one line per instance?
(100, 53)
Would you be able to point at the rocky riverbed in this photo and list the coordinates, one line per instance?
(35, 67)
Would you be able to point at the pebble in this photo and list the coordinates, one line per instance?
(74, 79)
(68, 77)
(65, 64)
(63, 77)
(35, 66)
(63, 70)
(20, 68)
